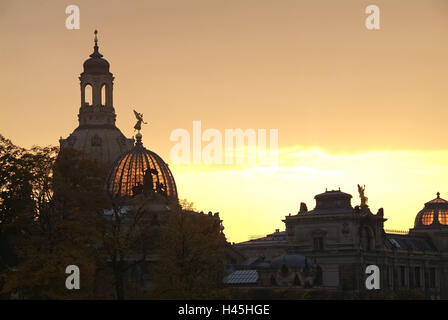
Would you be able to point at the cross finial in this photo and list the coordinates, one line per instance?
(438, 194)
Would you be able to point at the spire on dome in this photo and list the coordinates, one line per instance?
(96, 53)
(139, 137)
(96, 64)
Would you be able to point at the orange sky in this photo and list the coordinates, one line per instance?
(351, 105)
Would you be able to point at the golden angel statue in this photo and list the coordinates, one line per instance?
(362, 196)
(138, 125)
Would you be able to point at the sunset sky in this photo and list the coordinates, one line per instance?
(350, 105)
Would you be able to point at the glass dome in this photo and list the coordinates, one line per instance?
(141, 171)
(435, 213)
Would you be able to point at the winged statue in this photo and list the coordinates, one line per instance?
(361, 191)
(138, 125)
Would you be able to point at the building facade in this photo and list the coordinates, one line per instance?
(342, 241)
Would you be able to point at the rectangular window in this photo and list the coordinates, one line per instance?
(391, 277)
(386, 272)
(417, 277)
(402, 276)
(318, 244)
(432, 277)
(411, 277)
(395, 278)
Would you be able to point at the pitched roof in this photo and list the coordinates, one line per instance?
(405, 242)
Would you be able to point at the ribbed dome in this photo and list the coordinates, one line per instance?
(141, 170)
(435, 213)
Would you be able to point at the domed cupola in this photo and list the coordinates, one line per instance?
(435, 213)
(141, 171)
(97, 136)
(332, 201)
(96, 64)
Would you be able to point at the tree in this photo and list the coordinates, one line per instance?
(191, 254)
(24, 190)
(50, 205)
(129, 235)
(55, 212)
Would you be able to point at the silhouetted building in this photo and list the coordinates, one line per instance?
(139, 182)
(97, 136)
(342, 241)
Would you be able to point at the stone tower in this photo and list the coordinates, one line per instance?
(97, 135)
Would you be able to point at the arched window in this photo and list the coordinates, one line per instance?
(443, 216)
(88, 95)
(103, 95)
(428, 217)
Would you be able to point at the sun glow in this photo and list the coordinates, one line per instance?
(252, 200)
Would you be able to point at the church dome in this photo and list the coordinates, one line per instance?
(96, 64)
(140, 170)
(435, 213)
